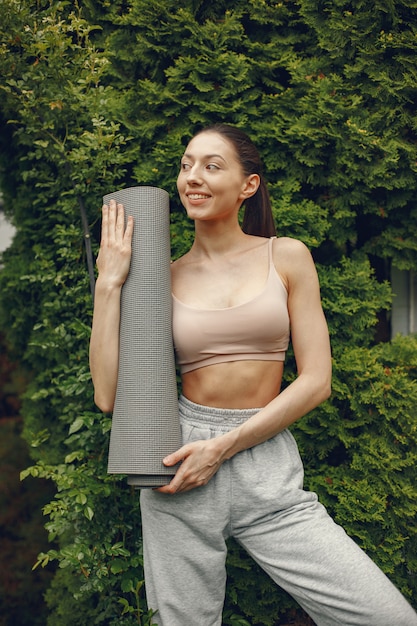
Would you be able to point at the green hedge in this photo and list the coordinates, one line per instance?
(100, 95)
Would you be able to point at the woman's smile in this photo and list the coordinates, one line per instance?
(196, 197)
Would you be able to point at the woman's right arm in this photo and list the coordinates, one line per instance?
(113, 264)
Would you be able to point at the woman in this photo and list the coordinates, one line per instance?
(235, 295)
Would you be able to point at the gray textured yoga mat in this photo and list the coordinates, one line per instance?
(145, 425)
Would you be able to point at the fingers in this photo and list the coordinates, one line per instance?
(174, 458)
(185, 480)
(129, 230)
(199, 461)
(108, 224)
(117, 213)
(104, 224)
(113, 224)
(179, 484)
(113, 219)
(113, 261)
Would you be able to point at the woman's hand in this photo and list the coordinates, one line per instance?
(113, 261)
(199, 460)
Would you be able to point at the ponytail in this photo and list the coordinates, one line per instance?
(257, 218)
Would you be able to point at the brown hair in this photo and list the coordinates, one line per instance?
(257, 219)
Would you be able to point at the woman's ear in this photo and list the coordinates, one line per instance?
(251, 186)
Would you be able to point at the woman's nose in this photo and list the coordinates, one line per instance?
(193, 174)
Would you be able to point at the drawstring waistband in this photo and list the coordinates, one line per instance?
(199, 414)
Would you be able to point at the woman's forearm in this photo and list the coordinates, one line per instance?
(298, 399)
(104, 344)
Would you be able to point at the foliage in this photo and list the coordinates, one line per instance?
(21, 523)
(100, 95)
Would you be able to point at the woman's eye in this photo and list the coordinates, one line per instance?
(185, 166)
(212, 166)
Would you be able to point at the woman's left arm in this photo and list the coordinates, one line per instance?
(311, 344)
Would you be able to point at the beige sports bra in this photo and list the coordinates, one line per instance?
(255, 330)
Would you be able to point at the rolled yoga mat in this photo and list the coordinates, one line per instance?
(145, 424)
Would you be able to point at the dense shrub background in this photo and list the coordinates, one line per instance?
(99, 95)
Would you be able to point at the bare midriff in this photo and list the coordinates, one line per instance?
(234, 384)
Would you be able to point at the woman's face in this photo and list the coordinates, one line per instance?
(211, 182)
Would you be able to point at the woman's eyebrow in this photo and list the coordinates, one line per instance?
(188, 155)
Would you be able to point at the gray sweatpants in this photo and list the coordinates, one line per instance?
(257, 497)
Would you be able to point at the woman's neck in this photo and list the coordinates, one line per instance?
(217, 240)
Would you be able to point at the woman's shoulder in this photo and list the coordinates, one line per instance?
(289, 246)
(292, 258)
